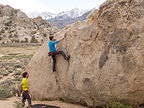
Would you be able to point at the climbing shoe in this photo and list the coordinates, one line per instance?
(68, 58)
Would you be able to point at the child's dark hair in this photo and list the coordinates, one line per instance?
(51, 37)
(24, 74)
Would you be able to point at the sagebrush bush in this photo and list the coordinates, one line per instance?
(117, 104)
(34, 40)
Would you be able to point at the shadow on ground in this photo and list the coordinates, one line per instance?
(43, 106)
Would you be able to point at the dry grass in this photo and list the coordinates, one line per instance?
(17, 52)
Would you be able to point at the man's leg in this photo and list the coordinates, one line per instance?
(23, 99)
(62, 53)
(28, 98)
(54, 62)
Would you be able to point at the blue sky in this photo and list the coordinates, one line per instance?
(54, 6)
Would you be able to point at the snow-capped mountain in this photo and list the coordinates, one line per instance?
(44, 15)
(63, 18)
(74, 13)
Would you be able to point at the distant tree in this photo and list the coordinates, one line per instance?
(16, 41)
(11, 31)
(26, 40)
(34, 40)
(15, 11)
(6, 28)
(15, 35)
(41, 40)
(10, 36)
(0, 38)
(8, 23)
(44, 34)
(34, 27)
(37, 27)
(22, 41)
(2, 31)
(34, 32)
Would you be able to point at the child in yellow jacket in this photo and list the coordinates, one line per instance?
(24, 88)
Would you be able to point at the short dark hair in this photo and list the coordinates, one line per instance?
(51, 37)
(24, 74)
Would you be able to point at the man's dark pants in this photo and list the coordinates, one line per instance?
(25, 96)
(53, 54)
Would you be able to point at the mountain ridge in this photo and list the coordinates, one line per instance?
(73, 13)
(63, 19)
(17, 27)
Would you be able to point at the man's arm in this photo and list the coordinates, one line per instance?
(61, 39)
(21, 88)
(55, 42)
(58, 41)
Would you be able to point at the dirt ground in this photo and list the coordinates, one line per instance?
(10, 103)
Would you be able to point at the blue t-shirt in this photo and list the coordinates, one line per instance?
(52, 45)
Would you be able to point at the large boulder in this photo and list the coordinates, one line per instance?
(107, 58)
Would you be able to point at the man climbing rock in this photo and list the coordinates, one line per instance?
(53, 52)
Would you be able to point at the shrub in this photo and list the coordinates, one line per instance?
(41, 40)
(8, 23)
(34, 27)
(6, 28)
(34, 32)
(37, 27)
(26, 40)
(44, 34)
(15, 56)
(34, 40)
(4, 73)
(18, 105)
(2, 31)
(10, 36)
(16, 41)
(22, 41)
(15, 11)
(61, 99)
(15, 35)
(116, 104)
(11, 31)
(6, 89)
